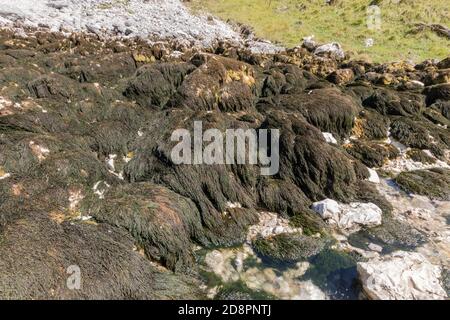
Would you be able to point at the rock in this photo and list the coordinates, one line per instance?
(270, 224)
(414, 85)
(333, 49)
(401, 276)
(329, 137)
(373, 176)
(309, 43)
(341, 76)
(327, 208)
(368, 42)
(348, 216)
(356, 214)
(375, 247)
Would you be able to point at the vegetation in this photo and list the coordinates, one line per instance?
(288, 21)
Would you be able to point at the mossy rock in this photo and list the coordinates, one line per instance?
(419, 156)
(372, 154)
(287, 247)
(390, 102)
(434, 183)
(392, 235)
(421, 135)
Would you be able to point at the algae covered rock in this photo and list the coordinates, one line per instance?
(434, 183)
(102, 256)
(391, 235)
(288, 247)
(152, 215)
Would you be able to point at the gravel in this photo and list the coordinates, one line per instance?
(156, 20)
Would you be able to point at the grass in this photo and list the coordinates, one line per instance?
(288, 21)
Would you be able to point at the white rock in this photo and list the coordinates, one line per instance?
(99, 188)
(373, 176)
(327, 208)
(278, 230)
(233, 205)
(359, 214)
(309, 43)
(401, 276)
(368, 42)
(348, 216)
(375, 247)
(333, 48)
(5, 175)
(417, 83)
(329, 137)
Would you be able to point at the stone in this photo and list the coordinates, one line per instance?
(333, 48)
(375, 247)
(357, 213)
(329, 137)
(373, 176)
(348, 216)
(327, 208)
(401, 276)
(309, 43)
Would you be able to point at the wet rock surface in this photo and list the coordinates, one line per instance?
(86, 176)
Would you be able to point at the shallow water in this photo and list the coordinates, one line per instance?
(332, 273)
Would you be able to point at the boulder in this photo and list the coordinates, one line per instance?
(348, 216)
(333, 49)
(341, 76)
(327, 208)
(401, 276)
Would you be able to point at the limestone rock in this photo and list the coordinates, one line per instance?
(348, 216)
(401, 276)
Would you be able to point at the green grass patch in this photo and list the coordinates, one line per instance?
(288, 21)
